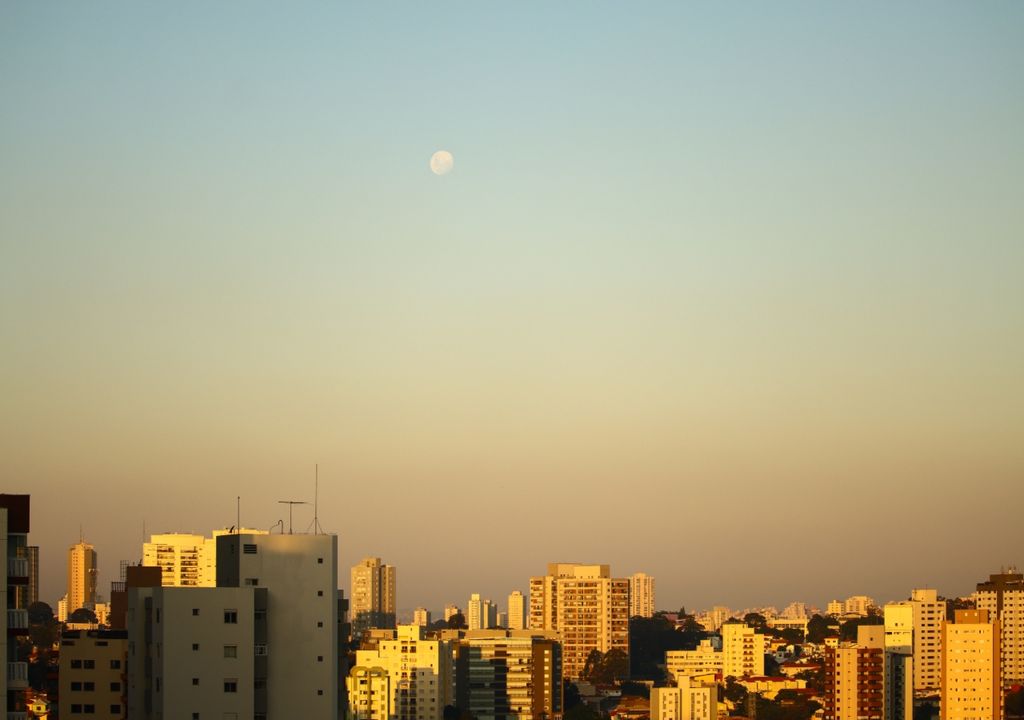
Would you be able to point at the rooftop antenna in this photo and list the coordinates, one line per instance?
(317, 530)
(291, 504)
(238, 513)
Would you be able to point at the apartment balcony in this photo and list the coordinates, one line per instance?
(17, 620)
(17, 675)
(17, 567)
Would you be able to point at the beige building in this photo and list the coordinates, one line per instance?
(970, 669)
(517, 611)
(187, 560)
(81, 576)
(690, 699)
(92, 674)
(369, 693)
(705, 659)
(835, 608)
(587, 607)
(421, 617)
(510, 675)
(641, 595)
(742, 650)
(420, 677)
(898, 671)
(1003, 597)
(855, 676)
(373, 602)
(451, 611)
(928, 613)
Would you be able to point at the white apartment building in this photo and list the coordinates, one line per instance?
(898, 670)
(369, 693)
(742, 650)
(186, 559)
(704, 660)
(858, 605)
(835, 607)
(1003, 597)
(420, 672)
(928, 613)
(713, 619)
(688, 700)
(516, 611)
(450, 611)
(421, 617)
(641, 595)
(587, 607)
(971, 675)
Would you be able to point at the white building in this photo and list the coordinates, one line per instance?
(420, 674)
(928, 613)
(898, 672)
(373, 602)
(742, 650)
(858, 605)
(185, 559)
(689, 700)
(481, 614)
(369, 693)
(450, 611)
(421, 617)
(516, 611)
(704, 660)
(641, 595)
(1003, 597)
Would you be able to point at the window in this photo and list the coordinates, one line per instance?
(231, 617)
(76, 709)
(195, 716)
(319, 623)
(115, 709)
(319, 658)
(319, 593)
(319, 692)
(231, 686)
(88, 709)
(261, 650)
(195, 611)
(158, 614)
(89, 687)
(259, 684)
(76, 665)
(319, 561)
(115, 687)
(195, 646)
(89, 664)
(249, 548)
(252, 582)
(76, 686)
(230, 651)
(115, 664)
(195, 681)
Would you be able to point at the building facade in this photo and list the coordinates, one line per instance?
(14, 574)
(421, 617)
(1003, 597)
(93, 674)
(742, 650)
(971, 688)
(690, 699)
(516, 611)
(928, 614)
(855, 676)
(641, 595)
(703, 660)
(587, 607)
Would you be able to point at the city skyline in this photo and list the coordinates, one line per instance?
(751, 274)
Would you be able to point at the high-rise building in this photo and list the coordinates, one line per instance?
(690, 699)
(478, 613)
(928, 613)
(421, 617)
(858, 605)
(92, 674)
(263, 643)
(516, 611)
(641, 595)
(450, 611)
(81, 576)
(898, 645)
(795, 611)
(835, 607)
(587, 607)
(1003, 597)
(855, 676)
(970, 668)
(742, 650)
(421, 678)
(510, 675)
(14, 574)
(373, 599)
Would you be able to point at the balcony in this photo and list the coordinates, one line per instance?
(17, 567)
(17, 619)
(17, 675)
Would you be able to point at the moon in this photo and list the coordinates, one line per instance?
(441, 162)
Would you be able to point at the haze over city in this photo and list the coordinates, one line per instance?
(729, 297)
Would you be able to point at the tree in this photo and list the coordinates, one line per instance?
(457, 622)
(635, 689)
(818, 628)
(39, 613)
(607, 668)
(1015, 704)
(570, 695)
(771, 666)
(848, 630)
(82, 615)
(756, 621)
(582, 711)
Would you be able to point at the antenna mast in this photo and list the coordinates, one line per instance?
(291, 504)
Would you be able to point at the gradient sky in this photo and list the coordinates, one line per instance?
(728, 293)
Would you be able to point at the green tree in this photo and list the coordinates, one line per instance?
(82, 615)
(848, 630)
(39, 613)
(756, 621)
(457, 622)
(818, 628)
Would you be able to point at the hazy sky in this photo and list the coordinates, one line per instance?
(728, 293)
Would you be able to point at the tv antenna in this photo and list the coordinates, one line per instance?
(317, 530)
(291, 504)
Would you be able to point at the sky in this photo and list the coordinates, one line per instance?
(726, 293)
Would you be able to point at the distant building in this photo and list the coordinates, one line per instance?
(373, 601)
(510, 675)
(689, 700)
(641, 595)
(835, 608)
(1003, 597)
(516, 611)
(971, 667)
(450, 611)
(857, 605)
(795, 611)
(92, 674)
(742, 650)
(421, 617)
(82, 568)
(32, 553)
(854, 677)
(135, 576)
(928, 613)
(587, 607)
(62, 609)
(713, 619)
(420, 677)
(898, 671)
(187, 560)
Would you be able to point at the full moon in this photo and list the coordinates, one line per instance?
(441, 162)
